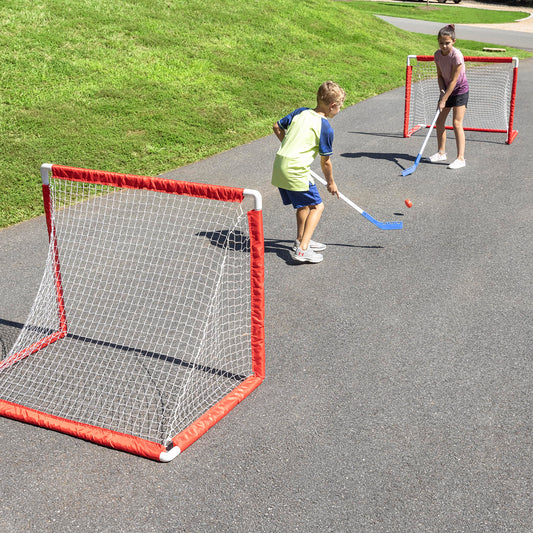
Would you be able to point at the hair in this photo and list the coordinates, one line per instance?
(329, 92)
(447, 31)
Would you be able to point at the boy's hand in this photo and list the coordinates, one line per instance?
(332, 188)
(325, 163)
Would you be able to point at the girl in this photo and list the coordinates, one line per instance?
(453, 94)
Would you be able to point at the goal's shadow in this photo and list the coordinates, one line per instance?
(9, 332)
(173, 360)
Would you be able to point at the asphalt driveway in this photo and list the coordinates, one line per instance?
(399, 377)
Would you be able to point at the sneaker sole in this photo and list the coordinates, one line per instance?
(314, 248)
(307, 259)
(437, 160)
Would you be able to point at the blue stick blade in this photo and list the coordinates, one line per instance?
(410, 170)
(382, 225)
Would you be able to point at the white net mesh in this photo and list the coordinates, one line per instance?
(489, 99)
(157, 301)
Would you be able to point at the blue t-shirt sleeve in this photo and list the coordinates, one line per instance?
(325, 145)
(285, 122)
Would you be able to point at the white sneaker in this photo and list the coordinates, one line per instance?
(316, 246)
(457, 164)
(435, 158)
(307, 256)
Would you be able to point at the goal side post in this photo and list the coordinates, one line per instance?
(235, 385)
(62, 330)
(493, 84)
(193, 432)
(512, 133)
(407, 100)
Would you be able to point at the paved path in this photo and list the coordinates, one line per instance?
(472, 32)
(398, 391)
(518, 34)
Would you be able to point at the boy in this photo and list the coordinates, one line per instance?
(304, 134)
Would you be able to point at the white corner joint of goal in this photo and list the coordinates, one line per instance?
(46, 168)
(256, 195)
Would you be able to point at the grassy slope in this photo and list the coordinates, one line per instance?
(144, 86)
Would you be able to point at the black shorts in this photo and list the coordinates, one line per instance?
(457, 100)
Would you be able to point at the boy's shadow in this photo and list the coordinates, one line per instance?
(283, 249)
(235, 241)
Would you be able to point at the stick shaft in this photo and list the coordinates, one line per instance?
(381, 225)
(341, 196)
(412, 168)
(429, 132)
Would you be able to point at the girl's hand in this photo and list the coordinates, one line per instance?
(442, 102)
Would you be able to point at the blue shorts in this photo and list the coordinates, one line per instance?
(301, 198)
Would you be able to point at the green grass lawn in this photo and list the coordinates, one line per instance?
(145, 86)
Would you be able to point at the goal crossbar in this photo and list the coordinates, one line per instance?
(148, 326)
(491, 106)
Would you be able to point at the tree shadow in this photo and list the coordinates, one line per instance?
(393, 158)
(375, 134)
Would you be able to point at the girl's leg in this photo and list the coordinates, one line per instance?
(441, 129)
(307, 219)
(458, 116)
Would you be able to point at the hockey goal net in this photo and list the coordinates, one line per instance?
(148, 324)
(491, 105)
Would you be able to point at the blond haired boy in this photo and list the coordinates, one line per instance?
(304, 134)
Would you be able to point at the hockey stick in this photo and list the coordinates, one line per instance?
(410, 170)
(380, 225)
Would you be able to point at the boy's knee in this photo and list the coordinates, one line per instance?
(316, 210)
